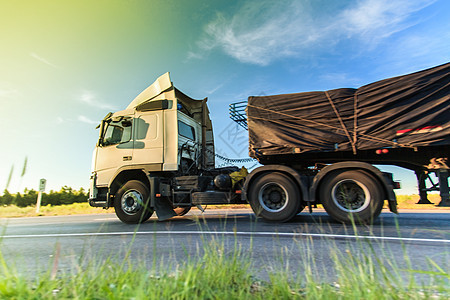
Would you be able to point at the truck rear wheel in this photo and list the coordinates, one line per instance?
(274, 197)
(352, 196)
(131, 203)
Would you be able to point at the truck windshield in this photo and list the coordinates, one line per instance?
(117, 133)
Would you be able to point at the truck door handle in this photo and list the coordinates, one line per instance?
(126, 158)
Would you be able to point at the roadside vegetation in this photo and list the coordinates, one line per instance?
(66, 201)
(66, 195)
(410, 202)
(12, 211)
(220, 271)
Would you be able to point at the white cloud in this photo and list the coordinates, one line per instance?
(194, 55)
(44, 60)
(378, 19)
(7, 91)
(263, 31)
(91, 99)
(85, 119)
(213, 90)
(260, 32)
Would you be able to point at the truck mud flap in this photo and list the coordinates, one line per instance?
(163, 209)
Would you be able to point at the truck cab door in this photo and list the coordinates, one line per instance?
(115, 147)
(149, 140)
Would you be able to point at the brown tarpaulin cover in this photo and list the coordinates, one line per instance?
(406, 111)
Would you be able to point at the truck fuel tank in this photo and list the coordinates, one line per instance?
(223, 182)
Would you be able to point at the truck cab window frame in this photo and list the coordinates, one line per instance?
(186, 130)
(116, 132)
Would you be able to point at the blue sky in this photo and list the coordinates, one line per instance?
(65, 64)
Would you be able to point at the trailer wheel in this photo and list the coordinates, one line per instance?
(352, 196)
(274, 197)
(131, 203)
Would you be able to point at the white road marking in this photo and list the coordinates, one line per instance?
(230, 233)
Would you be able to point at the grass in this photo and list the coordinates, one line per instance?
(49, 210)
(410, 202)
(215, 275)
(218, 272)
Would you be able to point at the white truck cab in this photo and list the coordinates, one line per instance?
(162, 130)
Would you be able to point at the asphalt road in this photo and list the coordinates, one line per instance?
(408, 240)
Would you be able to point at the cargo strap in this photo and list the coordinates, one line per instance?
(360, 136)
(352, 142)
(355, 117)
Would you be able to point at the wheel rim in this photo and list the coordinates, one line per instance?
(350, 195)
(131, 202)
(273, 197)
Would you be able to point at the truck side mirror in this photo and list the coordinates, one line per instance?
(126, 123)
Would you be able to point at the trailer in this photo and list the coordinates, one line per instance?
(157, 155)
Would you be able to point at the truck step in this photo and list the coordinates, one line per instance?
(98, 203)
(210, 197)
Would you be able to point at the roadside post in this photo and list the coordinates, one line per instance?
(42, 183)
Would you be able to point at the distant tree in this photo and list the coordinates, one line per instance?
(29, 197)
(7, 198)
(20, 201)
(66, 195)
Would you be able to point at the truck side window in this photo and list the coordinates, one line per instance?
(117, 133)
(186, 130)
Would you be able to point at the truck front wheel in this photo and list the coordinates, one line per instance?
(274, 197)
(352, 196)
(131, 203)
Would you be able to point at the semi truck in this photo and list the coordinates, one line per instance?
(313, 148)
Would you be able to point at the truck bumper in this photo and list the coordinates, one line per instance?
(93, 192)
(94, 199)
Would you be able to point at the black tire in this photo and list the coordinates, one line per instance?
(274, 197)
(131, 203)
(352, 196)
(182, 210)
(300, 209)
